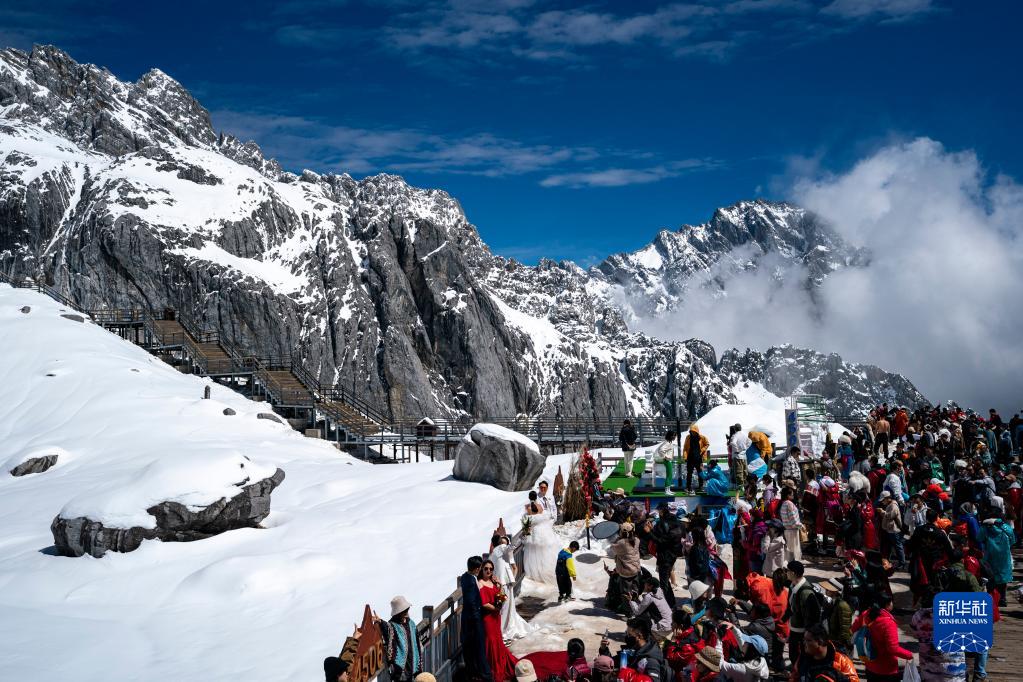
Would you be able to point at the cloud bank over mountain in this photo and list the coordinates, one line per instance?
(940, 297)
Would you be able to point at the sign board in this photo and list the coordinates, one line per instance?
(791, 428)
(963, 622)
(369, 657)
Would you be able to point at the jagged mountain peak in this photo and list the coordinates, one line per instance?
(122, 195)
(88, 105)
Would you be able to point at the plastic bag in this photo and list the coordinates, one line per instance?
(911, 673)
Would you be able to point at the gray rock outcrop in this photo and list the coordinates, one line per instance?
(174, 522)
(35, 465)
(485, 455)
(371, 283)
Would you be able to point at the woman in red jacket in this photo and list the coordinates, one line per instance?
(884, 637)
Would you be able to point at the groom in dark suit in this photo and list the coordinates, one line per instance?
(474, 654)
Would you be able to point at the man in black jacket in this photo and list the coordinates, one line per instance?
(474, 654)
(646, 655)
(627, 439)
(666, 534)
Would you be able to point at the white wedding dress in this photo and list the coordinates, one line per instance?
(513, 626)
(541, 549)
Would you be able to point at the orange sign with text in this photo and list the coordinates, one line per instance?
(369, 657)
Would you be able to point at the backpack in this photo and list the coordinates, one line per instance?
(864, 644)
(699, 561)
(825, 603)
(949, 579)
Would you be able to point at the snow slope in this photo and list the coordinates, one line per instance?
(258, 604)
(757, 407)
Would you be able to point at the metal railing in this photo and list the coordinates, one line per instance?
(440, 630)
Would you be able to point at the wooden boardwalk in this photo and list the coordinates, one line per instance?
(1005, 661)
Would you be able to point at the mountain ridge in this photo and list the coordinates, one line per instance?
(123, 194)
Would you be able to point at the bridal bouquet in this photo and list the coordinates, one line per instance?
(527, 524)
(500, 598)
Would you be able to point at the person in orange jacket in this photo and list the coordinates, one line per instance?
(819, 659)
(901, 422)
(696, 451)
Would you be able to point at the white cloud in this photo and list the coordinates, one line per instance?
(299, 142)
(620, 177)
(890, 9)
(940, 301)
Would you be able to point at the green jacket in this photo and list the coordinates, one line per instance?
(840, 623)
(804, 607)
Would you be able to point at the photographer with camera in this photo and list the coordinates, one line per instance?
(651, 605)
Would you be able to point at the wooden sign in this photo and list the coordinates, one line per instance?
(370, 658)
(559, 486)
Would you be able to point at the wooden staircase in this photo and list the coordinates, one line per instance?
(352, 420)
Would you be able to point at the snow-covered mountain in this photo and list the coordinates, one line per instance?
(122, 194)
(735, 240)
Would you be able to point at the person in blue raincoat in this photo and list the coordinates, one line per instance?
(996, 539)
(716, 481)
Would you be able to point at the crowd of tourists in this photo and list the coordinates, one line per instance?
(930, 494)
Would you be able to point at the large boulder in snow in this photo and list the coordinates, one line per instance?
(34, 465)
(174, 522)
(35, 461)
(499, 457)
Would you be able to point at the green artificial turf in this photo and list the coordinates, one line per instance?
(618, 479)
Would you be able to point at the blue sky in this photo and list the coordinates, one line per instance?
(573, 130)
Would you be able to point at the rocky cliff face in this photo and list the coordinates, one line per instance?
(122, 194)
(737, 239)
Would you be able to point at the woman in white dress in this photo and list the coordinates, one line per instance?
(541, 546)
(513, 626)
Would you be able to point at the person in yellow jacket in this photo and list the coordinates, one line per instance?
(758, 466)
(696, 451)
(763, 443)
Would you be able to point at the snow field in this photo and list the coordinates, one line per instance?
(263, 604)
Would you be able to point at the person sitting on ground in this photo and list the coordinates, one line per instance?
(651, 605)
(577, 667)
(821, 661)
(335, 670)
(682, 645)
(772, 592)
(646, 656)
(525, 672)
(749, 664)
(700, 594)
(603, 669)
(548, 664)
(617, 508)
(716, 481)
(625, 576)
(708, 666)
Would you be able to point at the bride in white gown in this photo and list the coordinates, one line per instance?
(513, 626)
(541, 546)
